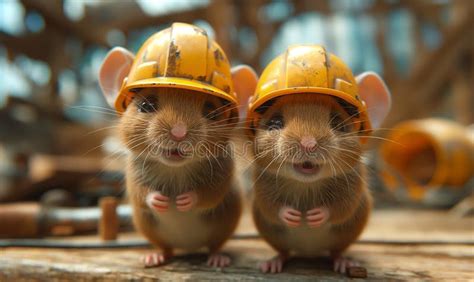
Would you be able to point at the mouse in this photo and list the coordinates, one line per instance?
(180, 174)
(177, 129)
(311, 196)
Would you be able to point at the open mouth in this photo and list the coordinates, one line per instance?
(174, 154)
(306, 167)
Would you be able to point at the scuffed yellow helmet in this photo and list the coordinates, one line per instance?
(309, 69)
(182, 56)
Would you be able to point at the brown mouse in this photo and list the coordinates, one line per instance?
(311, 195)
(177, 128)
(183, 196)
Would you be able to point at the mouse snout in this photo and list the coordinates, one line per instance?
(178, 132)
(308, 143)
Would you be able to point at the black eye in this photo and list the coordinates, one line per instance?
(338, 123)
(210, 111)
(276, 122)
(147, 106)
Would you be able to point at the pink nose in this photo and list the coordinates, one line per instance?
(178, 132)
(308, 143)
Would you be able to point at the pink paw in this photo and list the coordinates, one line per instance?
(157, 201)
(186, 201)
(274, 265)
(290, 217)
(341, 264)
(155, 259)
(218, 260)
(316, 217)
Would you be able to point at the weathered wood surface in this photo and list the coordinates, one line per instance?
(394, 262)
(396, 246)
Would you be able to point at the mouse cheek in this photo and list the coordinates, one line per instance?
(274, 146)
(350, 151)
(127, 131)
(349, 143)
(206, 132)
(280, 146)
(259, 144)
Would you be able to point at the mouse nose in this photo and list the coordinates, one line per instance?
(178, 132)
(308, 143)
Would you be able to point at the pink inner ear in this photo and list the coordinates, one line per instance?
(245, 82)
(377, 98)
(114, 69)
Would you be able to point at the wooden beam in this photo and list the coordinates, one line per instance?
(411, 97)
(389, 71)
(29, 43)
(463, 104)
(388, 254)
(99, 20)
(221, 17)
(52, 12)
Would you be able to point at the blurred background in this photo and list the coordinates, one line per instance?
(55, 143)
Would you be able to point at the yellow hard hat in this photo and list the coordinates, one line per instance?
(182, 56)
(309, 69)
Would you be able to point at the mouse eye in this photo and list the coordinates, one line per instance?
(147, 106)
(338, 123)
(210, 111)
(276, 122)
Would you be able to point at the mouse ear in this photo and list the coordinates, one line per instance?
(114, 69)
(374, 92)
(245, 82)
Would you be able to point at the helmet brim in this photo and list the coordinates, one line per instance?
(359, 105)
(126, 94)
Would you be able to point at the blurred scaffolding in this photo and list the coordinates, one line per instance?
(50, 101)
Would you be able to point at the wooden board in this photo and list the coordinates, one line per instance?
(396, 246)
(440, 262)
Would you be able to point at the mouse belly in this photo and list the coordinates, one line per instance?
(183, 230)
(309, 242)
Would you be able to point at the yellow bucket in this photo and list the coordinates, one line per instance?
(428, 154)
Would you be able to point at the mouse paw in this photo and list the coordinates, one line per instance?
(154, 259)
(186, 201)
(341, 264)
(316, 217)
(274, 265)
(218, 260)
(290, 216)
(157, 201)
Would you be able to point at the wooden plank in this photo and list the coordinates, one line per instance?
(382, 262)
(417, 225)
(411, 258)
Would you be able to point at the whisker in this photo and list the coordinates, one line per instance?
(375, 137)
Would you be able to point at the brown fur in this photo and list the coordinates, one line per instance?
(210, 175)
(339, 186)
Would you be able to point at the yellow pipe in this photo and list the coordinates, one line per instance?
(430, 153)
